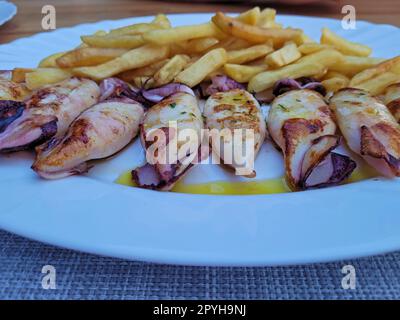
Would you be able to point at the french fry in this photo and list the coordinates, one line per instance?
(334, 74)
(208, 63)
(309, 47)
(147, 71)
(162, 20)
(135, 58)
(173, 35)
(285, 55)
(44, 76)
(18, 74)
(251, 33)
(97, 33)
(135, 29)
(231, 43)
(159, 22)
(242, 73)
(267, 79)
(114, 41)
(50, 61)
(249, 54)
(351, 65)
(170, 70)
(198, 45)
(267, 18)
(343, 45)
(379, 83)
(380, 68)
(303, 39)
(88, 57)
(326, 57)
(251, 16)
(334, 84)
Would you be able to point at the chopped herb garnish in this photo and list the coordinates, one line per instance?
(172, 105)
(183, 112)
(192, 114)
(298, 100)
(282, 107)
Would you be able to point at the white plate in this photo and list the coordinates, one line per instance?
(7, 11)
(95, 215)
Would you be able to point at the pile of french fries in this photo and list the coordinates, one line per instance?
(251, 48)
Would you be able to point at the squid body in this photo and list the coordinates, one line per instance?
(301, 125)
(236, 111)
(369, 129)
(98, 132)
(163, 126)
(46, 113)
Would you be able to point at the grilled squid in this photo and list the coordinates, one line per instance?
(392, 100)
(48, 112)
(369, 129)
(235, 111)
(97, 133)
(301, 125)
(162, 132)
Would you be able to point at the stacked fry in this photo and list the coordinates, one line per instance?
(250, 48)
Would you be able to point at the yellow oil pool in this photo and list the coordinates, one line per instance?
(268, 186)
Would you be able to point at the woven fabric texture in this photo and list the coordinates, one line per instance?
(86, 276)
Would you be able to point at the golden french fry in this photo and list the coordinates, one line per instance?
(173, 35)
(309, 47)
(114, 41)
(251, 16)
(50, 61)
(135, 58)
(334, 84)
(135, 29)
(97, 33)
(147, 71)
(303, 39)
(343, 45)
(334, 74)
(351, 65)
(380, 68)
(44, 76)
(208, 63)
(197, 45)
(159, 22)
(242, 73)
(162, 20)
(285, 55)
(231, 43)
(88, 57)
(267, 79)
(379, 83)
(267, 18)
(251, 33)
(248, 54)
(171, 69)
(18, 74)
(326, 57)
(201, 44)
